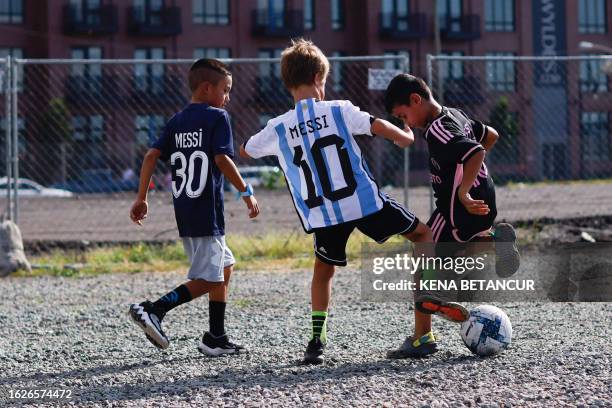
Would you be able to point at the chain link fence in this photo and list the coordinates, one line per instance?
(553, 115)
(78, 131)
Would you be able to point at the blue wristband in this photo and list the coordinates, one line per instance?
(249, 192)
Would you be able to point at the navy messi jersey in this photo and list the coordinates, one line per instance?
(452, 139)
(190, 141)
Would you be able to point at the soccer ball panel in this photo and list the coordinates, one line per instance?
(487, 331)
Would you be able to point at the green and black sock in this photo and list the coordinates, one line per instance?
(319, 325)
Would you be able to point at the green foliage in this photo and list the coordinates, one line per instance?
(506, 150)
(273, 180)
(57, 121)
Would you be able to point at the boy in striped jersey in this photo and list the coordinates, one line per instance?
(464, 191)
(330, 183)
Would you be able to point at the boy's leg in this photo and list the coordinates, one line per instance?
(330, 250)
(206, 256)
(215, 342)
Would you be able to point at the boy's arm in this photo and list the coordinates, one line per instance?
(383, 128)
(243, 153)
(490, 138)
(470, 171)
(140, 207)
(229, 170)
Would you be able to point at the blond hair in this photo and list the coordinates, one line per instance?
(301, 62)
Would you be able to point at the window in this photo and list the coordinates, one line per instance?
(595, 136)
(269, 69)
(208, 52)
(88, 76)
(451, 69)
(87, 128)
(592, 16)
(264, 118)
(15, 53)
(212, 12)
(148, 128)
(149, 77)
(88, 140)
(11, 11)
(338, 72)
(271, 13)
(337, 14)
(398, 63)
(593, 77)
(501, 74)
(395, 14)
(499, 15)
(86, 11)
(149, 11)
(449, 15)
(309, 15)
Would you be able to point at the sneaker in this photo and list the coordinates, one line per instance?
(507, 259)
(314, 352)
(411, 348)
(431, 300)
(450, 311)
(217, 346)
(146, 317)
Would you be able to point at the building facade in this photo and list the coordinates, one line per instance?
(100, 104)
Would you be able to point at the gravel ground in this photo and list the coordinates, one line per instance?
(69, 333)
(105, 217)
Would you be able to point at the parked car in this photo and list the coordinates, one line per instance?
(257, 176)
(98, 181)
(30, 188)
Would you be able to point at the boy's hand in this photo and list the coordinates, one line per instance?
(139, 211)
(476, 207)
(252, 205)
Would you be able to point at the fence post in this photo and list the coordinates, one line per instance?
(8, 131)
(405, 68)
(15, 138)
(430, 59)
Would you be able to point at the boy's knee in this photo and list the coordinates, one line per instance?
(422, 233)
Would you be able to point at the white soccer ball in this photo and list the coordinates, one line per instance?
(487, 331)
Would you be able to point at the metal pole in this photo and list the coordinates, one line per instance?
(405, 68)
(8, 130)
(15, 138)
(430, 59)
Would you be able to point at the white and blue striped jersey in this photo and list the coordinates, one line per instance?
(324, 168)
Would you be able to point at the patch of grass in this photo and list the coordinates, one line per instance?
(270, 252)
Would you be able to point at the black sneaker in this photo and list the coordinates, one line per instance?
(314, 352)
(149, 320)
(415, 348)
(217, 346)
(507, 257)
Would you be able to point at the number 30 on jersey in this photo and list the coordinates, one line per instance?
(185, 170)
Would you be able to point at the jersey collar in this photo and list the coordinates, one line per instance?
(443, 112)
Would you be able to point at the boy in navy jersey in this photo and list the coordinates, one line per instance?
(464, 191)
(332, 188)
(199, 145)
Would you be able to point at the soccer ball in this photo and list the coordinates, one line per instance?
(487, 331)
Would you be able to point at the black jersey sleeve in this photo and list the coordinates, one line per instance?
(448, 141)
(479, 128)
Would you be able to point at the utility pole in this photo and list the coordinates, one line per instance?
(437, 51)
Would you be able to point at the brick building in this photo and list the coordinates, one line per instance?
(102, 101)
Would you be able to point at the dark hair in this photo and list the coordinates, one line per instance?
(207, 70)
(401, 87)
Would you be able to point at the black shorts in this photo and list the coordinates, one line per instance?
(456, 224)
(392, 219)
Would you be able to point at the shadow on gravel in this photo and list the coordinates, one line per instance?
(271, 377)
(89, 372)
